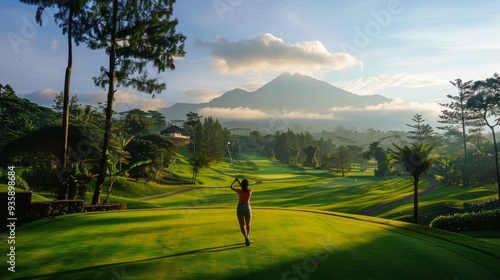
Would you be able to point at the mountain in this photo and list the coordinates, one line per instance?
(306, 93)
(289, 99)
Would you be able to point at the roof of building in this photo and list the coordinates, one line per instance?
(173, 129)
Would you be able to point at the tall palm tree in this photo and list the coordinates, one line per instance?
(416, 160)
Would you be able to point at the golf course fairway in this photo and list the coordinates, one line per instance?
(206, 243)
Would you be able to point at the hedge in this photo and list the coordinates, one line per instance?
(485, 220)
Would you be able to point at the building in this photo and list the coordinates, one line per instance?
(174, 131)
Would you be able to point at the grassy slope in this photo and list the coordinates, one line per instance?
(201, 243)
(193, 242)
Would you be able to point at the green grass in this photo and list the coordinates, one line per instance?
(443, 200)
(207, 244)
(195, 235)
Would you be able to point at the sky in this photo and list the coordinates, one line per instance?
(405, 50)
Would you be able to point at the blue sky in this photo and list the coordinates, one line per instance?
(404, 50)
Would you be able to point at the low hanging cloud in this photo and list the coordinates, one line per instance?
(372, 85)
(396, 105)
(124, 100)
(238, 113)
(244, 113)
(201, 94)
(268, 53)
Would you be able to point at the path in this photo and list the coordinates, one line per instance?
(375, 209)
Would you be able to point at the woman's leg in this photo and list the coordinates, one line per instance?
(241, 221)
(248, 220)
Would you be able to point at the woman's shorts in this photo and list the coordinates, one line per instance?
(244, 210)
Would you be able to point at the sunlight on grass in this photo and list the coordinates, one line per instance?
(174, 243)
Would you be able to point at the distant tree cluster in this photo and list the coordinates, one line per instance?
(208, 143)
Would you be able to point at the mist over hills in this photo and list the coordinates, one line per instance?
(292, 101)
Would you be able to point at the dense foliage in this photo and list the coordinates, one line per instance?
(485, 220)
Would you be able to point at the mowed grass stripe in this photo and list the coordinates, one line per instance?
(206, 243)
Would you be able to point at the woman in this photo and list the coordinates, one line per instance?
(244, 211)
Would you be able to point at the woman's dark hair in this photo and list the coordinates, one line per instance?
(244, 185)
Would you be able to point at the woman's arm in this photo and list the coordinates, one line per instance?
(235, 180)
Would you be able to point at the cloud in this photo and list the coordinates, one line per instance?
(43, 97)
(372, 85)
(238, 113)
(268, 53)
(124, 100)
(305, 115)
(396, 105)
(54, 44)
(244, 113)
(202, 94)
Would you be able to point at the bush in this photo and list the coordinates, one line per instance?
(485, 220)
(481, 205)
(41, 178)
(20, 182)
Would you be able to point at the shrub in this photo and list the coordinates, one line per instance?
(485, 220)
(481, 205)
(41, 178)
(20, 182)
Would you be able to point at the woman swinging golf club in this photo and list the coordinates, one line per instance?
(244, 211)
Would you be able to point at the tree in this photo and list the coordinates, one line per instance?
(343, 159)
(215, 140)
(486, 103)
(380, 156)
(40, 149)
(421, 132)
(193, 120)
(136, 35)
(19, 116)
(416, 160)
(458, 114)
(58, 105)
(159, 122)
(69, 12)
(137, 121)
(311, 153)
(282, 147)
(327, 161)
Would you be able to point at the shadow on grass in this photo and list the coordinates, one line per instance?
(388, 256)
(66, 274)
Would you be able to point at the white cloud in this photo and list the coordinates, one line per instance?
(397, 105)
(124, 100)
(268, 53)
(244, 113)
(306, 115)
(54, 44)
(238, 113)
(202, 94)
(43, 97)
(372, 85)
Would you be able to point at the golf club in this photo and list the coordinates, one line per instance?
(230, 157)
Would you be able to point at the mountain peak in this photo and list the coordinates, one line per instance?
(284, 75)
